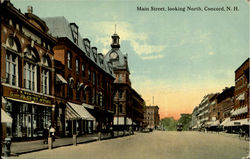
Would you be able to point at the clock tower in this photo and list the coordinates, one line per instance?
(115, 41)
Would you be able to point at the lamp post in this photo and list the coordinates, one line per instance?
(1, 77)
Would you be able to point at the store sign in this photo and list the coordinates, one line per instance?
(31, 97)
(236, 123)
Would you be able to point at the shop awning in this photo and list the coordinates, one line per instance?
(245, 122)
(225, 122)
(88, 106)
(241, 97)
(5, 118)
(239, 111)
(240, 122)
(129, 121)
(119, 120)
(60, 79)
(215, 123)
(80, 111)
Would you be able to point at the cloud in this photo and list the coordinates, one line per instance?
(151, 57)
(211, 53)
(137, 40)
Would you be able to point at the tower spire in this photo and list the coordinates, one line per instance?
(115, 40)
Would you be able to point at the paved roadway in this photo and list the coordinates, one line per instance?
(155, 145)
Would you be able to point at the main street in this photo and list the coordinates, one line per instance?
(155, 145)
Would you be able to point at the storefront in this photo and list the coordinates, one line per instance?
(30, 113)
(78, 120)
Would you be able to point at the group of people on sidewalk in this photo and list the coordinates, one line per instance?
(48, 132)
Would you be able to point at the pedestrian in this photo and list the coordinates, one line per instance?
(45, 135)
(52, 133)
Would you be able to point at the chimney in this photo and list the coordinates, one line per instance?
(30, 9)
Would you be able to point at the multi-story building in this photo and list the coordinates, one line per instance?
(203, 111)
(225, 102)
(240, 113)
(213, 121)
(88, 93)
(194, 124)
(27, 73)
(127, 102)
(151, 117)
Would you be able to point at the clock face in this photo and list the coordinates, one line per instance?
(113, 55)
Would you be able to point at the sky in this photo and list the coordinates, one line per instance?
(174, 56)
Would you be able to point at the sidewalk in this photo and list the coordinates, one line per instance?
(32, 146)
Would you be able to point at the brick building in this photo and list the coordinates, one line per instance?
(151, 117)
(27, 73)
(240, 113)
(128, 104)
(88, 92)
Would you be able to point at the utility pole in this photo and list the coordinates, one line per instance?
(1, 77)
(153, 100)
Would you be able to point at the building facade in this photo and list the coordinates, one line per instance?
(240, 113)
(88, 92)
(127, 102)
(27, 73)
(151, 117)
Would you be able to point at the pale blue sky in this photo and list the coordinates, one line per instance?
(178, 57)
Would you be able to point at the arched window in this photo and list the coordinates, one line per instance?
(69, 60)
(45, 78)
(78, 90)
(70, 87)
(30, 69)
(89, 74)
(77, 65)
(100, 96)
(83, 70)
(120, 108)
(11, 61)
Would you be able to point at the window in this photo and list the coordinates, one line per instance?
(83, 70)
(11, 69)
(89, 74)
(101, 104)
(120, 108)
(84, 95)
(115, 108)
(78, 91)
(97, 80)
(45, 81)
(89, 96)
(30, 76)
(74, 29)
(69, 60)
(93, 96)
(70, 88)
(120, 94)
(120, 78)
(77, 65)
(94, 75)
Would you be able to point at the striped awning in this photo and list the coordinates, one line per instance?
(76, 111)
(5, 118)
(241, 97)
(60, 79)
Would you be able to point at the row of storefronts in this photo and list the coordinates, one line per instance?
(52, 77)
(226, 111)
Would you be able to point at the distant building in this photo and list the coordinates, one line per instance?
(225, 102)
(203, 111)
(240, 113)
(194, 121)
(151, 117)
